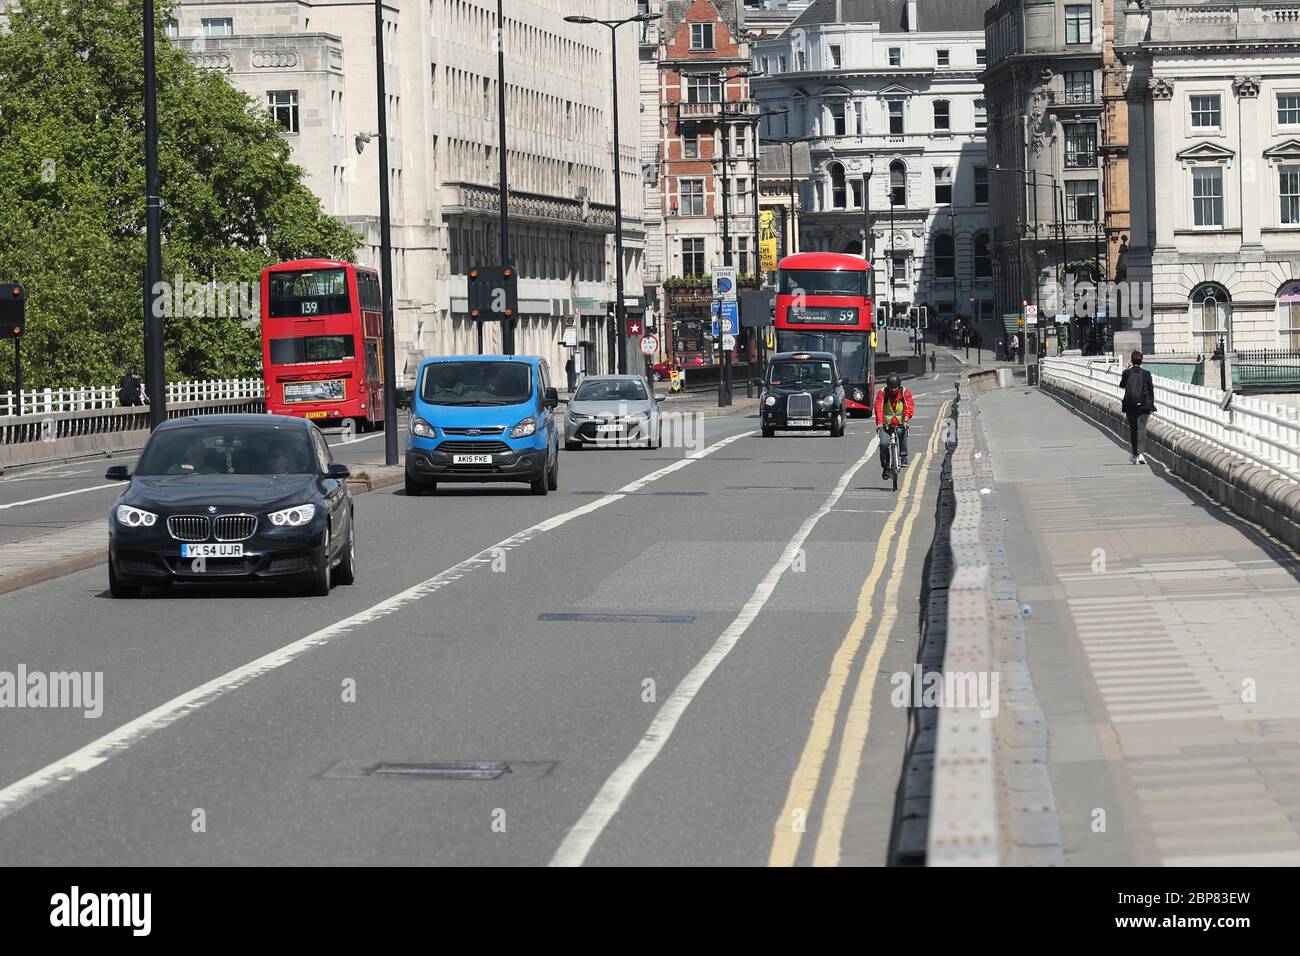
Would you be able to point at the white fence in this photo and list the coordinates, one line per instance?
(1260, 432)
(50, 400)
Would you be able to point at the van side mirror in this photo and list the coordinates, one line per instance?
(551, 399)
(118, 473)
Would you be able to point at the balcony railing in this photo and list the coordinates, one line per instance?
(1078, 96)
(1081, 159)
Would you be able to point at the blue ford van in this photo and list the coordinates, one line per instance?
(483, 418)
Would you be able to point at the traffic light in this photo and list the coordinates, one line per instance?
(493, 293)
(13, 310)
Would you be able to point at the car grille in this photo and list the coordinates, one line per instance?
(290, 565)
(188, 527)
(234, 527)
(496, 430)
(475, 447)
(799, 406)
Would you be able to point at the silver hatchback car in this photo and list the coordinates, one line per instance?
(613, 411)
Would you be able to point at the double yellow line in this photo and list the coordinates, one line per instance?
(788, 832)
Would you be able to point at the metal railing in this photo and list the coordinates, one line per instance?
(1256, 431)
(45, 401)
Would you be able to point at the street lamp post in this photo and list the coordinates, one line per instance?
(619, 310)
(503, 196)
(155, 368)
(386, 249)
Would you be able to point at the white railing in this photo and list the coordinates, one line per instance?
(50, 400)
(1257, 431)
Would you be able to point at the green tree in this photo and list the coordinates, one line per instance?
(72, 194)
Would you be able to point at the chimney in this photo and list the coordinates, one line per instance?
(912, 24)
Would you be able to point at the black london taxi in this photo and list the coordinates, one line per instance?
(803, 391)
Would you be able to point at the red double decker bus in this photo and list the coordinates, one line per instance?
(824, 303)
(322, 342)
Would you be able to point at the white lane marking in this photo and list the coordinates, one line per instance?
(61, 494)
(85, 759)
(579, 840)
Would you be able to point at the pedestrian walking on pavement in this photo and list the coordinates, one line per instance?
(933, 362)
(1139, 402)
(130, 390)
(1014, 346)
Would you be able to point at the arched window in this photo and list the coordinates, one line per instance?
(1211, 309)
(1288, 315)
(983, 261)
(898, 183)
(838, 199)
(944, 257)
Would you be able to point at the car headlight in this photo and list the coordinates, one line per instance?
(771, 400)
(525, 428)
(857, 395)
(135, 518)
(421, 428)
(294, 517)
(826, 401)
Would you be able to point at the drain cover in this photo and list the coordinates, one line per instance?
(470, 770)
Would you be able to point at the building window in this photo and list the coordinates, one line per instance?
(943, 256)
(737, 141)
(1288, 109)
(941, 119)
(1207, 196)
(897, 183)
(767, 65)
(802, 58)
(740, 201)
(693, 256)
(941, 57)
(1289, 190)
(900, 267)
(1211, 308)
(895, 117)
(691, 147)
(781, 62)
(742, 255)
(284, 107)
(895, 56)
(701, 36)
(943, 185)
(855, 189)
(703, 88)
(838, 126)
(981, 185)
(1080, 145)
(218, 27)
(837, 57)
(1078, 86)
(838, 197)
(981, 115)
(173, 30)
(692, 202)
(983, 261)
(981, 57)
(1081, 200)
(1078, 23)
(1205, 111)
(1288, 309)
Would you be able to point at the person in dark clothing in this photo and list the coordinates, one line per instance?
(130, 390)
(1139, 402)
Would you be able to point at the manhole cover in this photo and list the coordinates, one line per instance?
(468, 770)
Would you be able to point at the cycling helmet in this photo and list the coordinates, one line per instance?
(895, 381)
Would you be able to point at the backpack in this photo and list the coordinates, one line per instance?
(1135, 388)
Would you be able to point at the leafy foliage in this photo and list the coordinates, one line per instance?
(72, 194)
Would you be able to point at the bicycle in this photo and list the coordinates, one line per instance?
(894, 465)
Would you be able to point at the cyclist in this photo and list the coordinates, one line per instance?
(894, 407)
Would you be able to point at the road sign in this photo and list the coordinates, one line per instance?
(649, 345)
(1031, 312)
(724, 283)
(493, 293)
(633, 326)
(728, 342)
(730, 318)
(571, 337)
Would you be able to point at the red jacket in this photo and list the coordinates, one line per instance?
(909, 408)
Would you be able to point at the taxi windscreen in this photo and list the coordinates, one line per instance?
(801, 372)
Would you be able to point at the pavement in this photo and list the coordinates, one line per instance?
(684, 656)
(1164, 644)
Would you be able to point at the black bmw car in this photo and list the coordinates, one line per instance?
(229, 498)
(803, 391)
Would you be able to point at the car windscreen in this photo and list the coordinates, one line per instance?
(477, 383)
(610, 390)
(315, 292)
(313, 348)
(229, 450)
(801, 373)
(823, 282)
